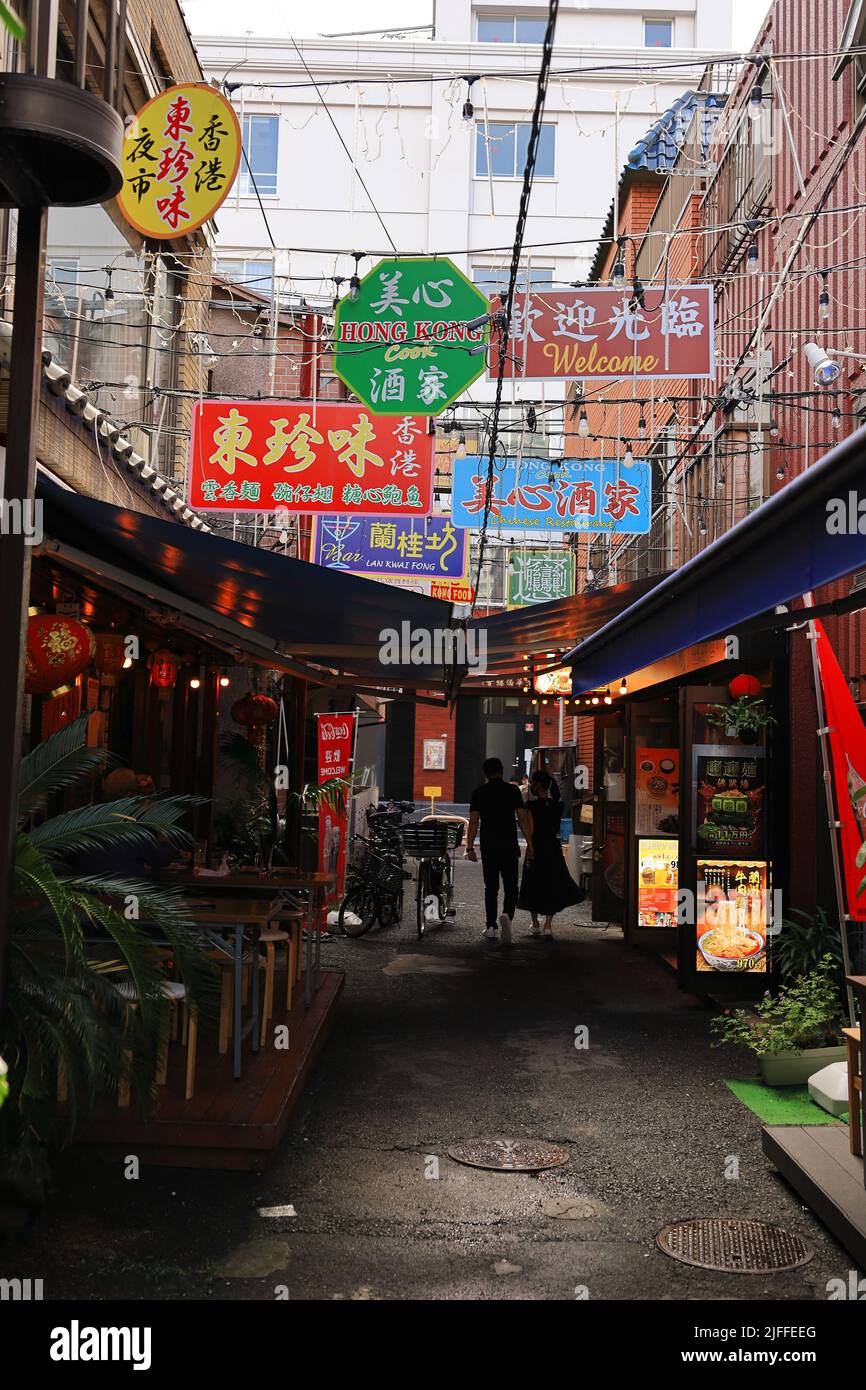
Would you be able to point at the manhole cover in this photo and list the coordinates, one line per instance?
(517, 1155)
(743, 1247)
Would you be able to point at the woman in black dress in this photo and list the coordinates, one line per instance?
(547, 886)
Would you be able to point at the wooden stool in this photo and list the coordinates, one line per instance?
(268, 939)
(226, 965)
(177, 994)
(290, 918)
(855, 1090)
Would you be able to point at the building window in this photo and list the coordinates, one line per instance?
(511, 29)
(658, 33)
(261, 139)
(508, 143)
(255, 276)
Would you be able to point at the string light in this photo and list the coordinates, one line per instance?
(623, 686)
(836, 417)
(468, 108)
(583, 424)
(641, 426)
(617, 275)
(753, 260)
(628, 456)
(824, 297)
(608, 698)
(460, 451)
(756, 102)
(774, 429)
(355, 279)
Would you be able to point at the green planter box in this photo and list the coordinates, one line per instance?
(795, 1068)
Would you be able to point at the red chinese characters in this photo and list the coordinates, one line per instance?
(304, 457)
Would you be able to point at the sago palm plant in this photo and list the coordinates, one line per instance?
(72, 932)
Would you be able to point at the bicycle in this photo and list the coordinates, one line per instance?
(433, 844)
(375, 890)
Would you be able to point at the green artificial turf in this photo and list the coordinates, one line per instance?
(782, 1105)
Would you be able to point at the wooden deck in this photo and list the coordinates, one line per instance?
(816, 1161)
(228, 1123)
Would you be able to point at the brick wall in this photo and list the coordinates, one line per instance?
(434, 721)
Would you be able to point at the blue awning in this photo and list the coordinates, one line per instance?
(803, 537)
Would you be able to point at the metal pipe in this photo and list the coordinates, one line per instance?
(121, 58)
(81, 43)
(108, 71)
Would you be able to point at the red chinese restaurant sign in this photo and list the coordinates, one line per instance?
(301, 456)
(602, 333)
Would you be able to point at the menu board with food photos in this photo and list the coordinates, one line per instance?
(733, 897)
(657, 880)
(657, 791)
(729, 811)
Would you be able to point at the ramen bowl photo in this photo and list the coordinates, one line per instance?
(723, 950)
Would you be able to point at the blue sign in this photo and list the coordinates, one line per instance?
(429, 547)
(568, 495)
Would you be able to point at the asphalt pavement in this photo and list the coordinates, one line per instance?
(441, 1042)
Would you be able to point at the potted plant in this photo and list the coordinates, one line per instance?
(803, 941)
(744, 719)
(63, 1014)
(795, 1034)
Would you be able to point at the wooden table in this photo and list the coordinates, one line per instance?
(310, 886)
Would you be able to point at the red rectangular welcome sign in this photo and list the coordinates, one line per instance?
(305, 456)
(600, 332)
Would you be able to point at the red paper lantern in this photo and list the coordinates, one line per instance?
(110, 655)
(164, 667)
(255, 712)
(744, 685)
(58, 650)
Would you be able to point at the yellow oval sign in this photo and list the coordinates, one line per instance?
(180, 157)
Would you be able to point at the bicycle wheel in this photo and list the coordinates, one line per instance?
(390, 908)
(422, 894)
(358, 910)
(446, 894)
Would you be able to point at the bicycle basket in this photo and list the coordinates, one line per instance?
(428, 838)
(388, 876)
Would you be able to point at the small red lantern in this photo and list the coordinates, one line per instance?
(110, 656)
(164, 667)
(255, 712)
(58, 650)
(744, 685)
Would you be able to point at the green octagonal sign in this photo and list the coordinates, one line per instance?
(414, 338)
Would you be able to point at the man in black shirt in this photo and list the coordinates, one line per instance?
(498, 806)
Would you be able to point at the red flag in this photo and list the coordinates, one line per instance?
(848, 751)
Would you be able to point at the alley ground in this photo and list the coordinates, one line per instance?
(438, 1043)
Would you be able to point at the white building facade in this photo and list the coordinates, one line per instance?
(435, 127)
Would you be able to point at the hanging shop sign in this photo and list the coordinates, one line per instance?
(260, 456)
(335, 747)
(426, 548)
(574, 495)
(180, 156)
(657, 883)
(728, 815)
(414, 338)
(848, 754)
(657, 791)
(539, 577)
(598, 332)
(553, 682)
(733, 898)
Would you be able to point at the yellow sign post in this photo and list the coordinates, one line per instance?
(433, 793)
(179, 159)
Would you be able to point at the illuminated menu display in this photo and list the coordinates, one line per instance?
(733, 898)
(657, 881)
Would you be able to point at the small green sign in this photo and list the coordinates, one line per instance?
(539, 576)
(415, 337)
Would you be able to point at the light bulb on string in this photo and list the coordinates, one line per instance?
(355, 279)
(824, 297)
(753, 259)
(596, 700)
(774, 429)
(468, 108)
(836, 417)
(617, 274)
(780, 472)
(628, 456)
(608, 698)
(641, 426)
(756, 102)
(583, 425)
(460, 451)
(623, 686)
